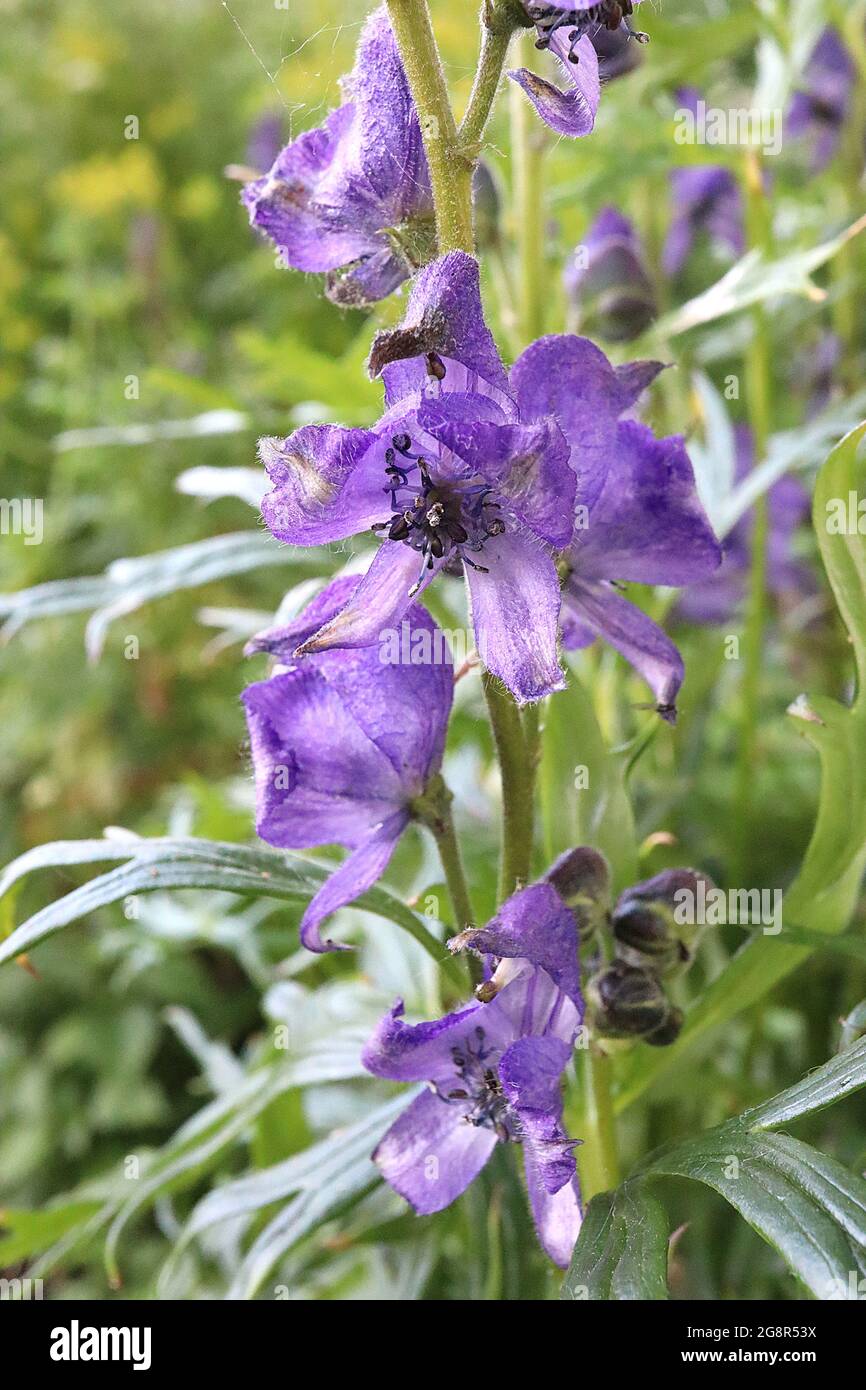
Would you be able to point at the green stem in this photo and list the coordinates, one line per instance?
(498, 23)
(433, 809)
(529, 145)
(760, 413)
(599, 1155)
(450, 169)
(517, 787)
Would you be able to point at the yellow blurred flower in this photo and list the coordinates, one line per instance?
(104, 184)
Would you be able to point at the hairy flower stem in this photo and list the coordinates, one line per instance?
(529, 145)
(498, 22)
(759, 410)
(517, 787)
(598, 1155)
(450, 168)
(433, 809)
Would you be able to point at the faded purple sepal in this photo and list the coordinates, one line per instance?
(341, 743)
(331, 196)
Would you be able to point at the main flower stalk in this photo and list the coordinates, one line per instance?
(450, 167)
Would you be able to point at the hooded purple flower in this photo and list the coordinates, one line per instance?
(568, 34)
(466, 470)
(788, 504)
(706, 199)
(638, 518)
(494, 1071)
(819, 109)
(608, 282)
(348, 197)
(341, 744)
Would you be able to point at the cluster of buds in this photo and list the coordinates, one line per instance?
(646, 945)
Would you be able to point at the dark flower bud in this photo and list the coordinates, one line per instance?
(668, 1032)
(581, 877)
(644, 938)
(659, 920)
(608, 282)
(487, 204)
(626, 1002)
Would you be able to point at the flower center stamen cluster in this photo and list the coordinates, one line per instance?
(440, 518)
(480, 1085)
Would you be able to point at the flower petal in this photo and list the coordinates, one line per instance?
(557, 1215)
(527, 464)
(444, 316)
(355, 875)
(530, 1072)
(418, 1051)
(572, 111)
(320, 779)
(515, 612)
(534, 924)
(643, 644)
(331, 192)
(431, 1154)
(380, 601)
(648, 524)
(327, 483)
(572, 380)
(399, 693)
(284, 204)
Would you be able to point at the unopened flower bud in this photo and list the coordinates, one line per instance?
(608, 282)
(626, 1002)
(581, 877)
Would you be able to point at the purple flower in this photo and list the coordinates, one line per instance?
(568, 34)
(608, 282)
(718, 598)
(638, 517)
(341, 744)
(265, 140)
(466, 470)
(819, 109)
(706, 199)
(494, 1070)
(349, 197)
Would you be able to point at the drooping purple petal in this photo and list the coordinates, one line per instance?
(444, 316)
(333, 192)
(515, 604)
(284, 203)
(557, 1215)
(570, 110)
(380, 601)
(421, 1051)
(327, 484)
(643, 644)
(399, 692)
(431, 1154)
(530, 1072)
(571, 379)
(648, 524)
(527, 464)
(319, 778)
(363, 867)
(534, 924)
